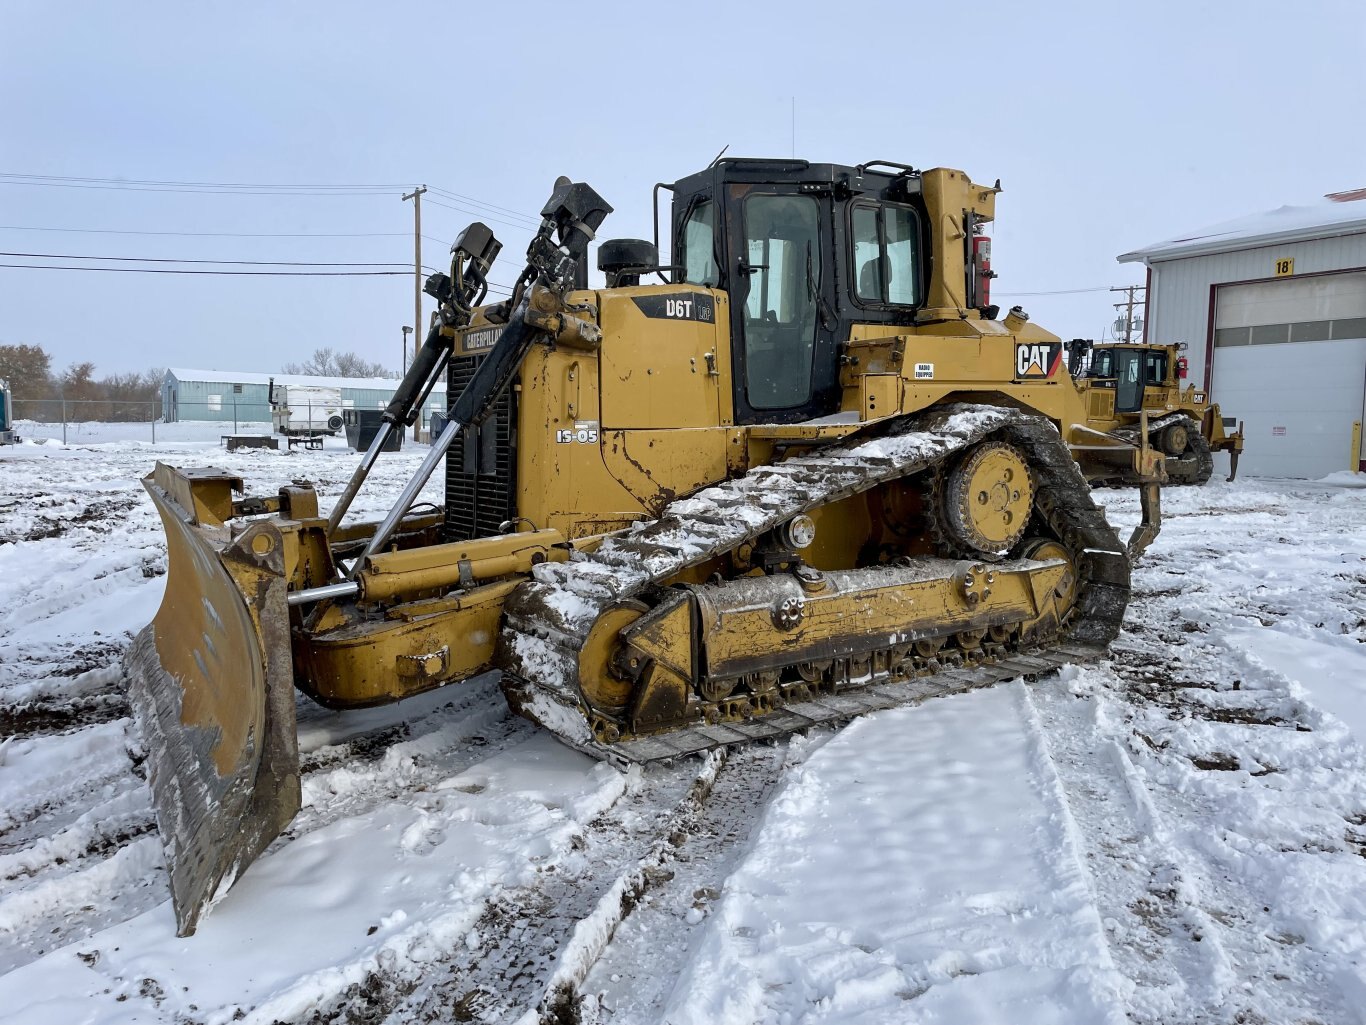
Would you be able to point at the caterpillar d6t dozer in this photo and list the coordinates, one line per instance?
(805, 474)
(1134, 394)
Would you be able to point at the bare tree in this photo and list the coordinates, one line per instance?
(326, 362)
(132, 395)
(351, 365)
(83, 392)
(27, 368)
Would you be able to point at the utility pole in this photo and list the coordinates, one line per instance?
(1125, 323)
(416, 197)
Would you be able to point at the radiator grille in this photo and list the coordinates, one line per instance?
(481, 467)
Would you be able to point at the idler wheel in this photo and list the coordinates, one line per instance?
(606, 676)
(987, 499)
(1175, 438)
(1065, 593)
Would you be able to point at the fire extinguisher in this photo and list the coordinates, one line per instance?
(1182, 366)
(981, 261)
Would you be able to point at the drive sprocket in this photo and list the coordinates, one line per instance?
(985, 500)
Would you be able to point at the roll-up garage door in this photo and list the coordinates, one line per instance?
(1290, 361)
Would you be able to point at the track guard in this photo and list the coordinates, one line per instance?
(211, 684)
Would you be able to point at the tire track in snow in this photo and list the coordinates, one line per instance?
(1158, 936)
(66, 861)
(509, 951)
(56, 778)
(523, 935)
(363, 771)
(625, 967)
(75, 854)
(1233, 845)
(1188, 775)
(531, 946)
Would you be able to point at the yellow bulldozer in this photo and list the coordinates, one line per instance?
(798, 472)
(1134, 393)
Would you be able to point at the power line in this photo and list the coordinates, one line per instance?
(214, 188)
(1060, 291)
(247, 188)
(493, 286)
(207, 191)
(484, 214)
(227, 273)
(213, 234)
(491, 211)
(217, 185)
(523, 221)
(456, 196)
(158, 259)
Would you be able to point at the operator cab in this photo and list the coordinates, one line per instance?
(1129, 370)
(804, 251)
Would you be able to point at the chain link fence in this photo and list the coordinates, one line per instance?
(73, 419)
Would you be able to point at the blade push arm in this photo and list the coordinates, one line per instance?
(471, 257)
(572, 215)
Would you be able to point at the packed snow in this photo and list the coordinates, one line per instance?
(1175, 834)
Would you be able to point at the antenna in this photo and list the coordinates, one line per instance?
(720, 155)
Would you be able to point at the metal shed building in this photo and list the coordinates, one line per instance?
(1273, 309)
(225, 395)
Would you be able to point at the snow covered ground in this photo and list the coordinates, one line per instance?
(1177, 834)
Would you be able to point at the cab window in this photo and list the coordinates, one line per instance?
(886, 258)
(1157, 366)
(699, 246)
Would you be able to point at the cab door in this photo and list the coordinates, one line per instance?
(782, 317)
(1129, 365)
(1137, 370)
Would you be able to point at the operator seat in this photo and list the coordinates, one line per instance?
(870, 283)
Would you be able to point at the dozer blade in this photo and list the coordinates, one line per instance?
(211, 685)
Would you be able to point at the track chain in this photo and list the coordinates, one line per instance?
(1194, 466)
(548, 619)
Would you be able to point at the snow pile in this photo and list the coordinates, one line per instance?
(1345, 479)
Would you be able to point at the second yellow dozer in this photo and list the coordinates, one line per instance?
(1134, 393)
(805, 475)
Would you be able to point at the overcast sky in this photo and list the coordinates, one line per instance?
(1110, 126)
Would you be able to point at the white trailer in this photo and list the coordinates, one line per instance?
(305, 410)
